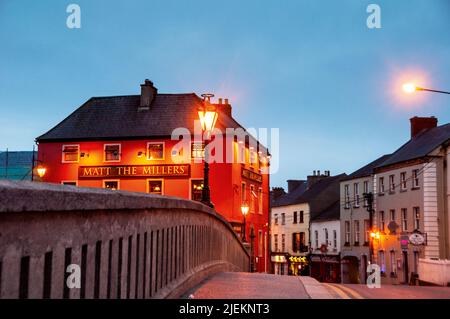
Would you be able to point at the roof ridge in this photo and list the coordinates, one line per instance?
(136, 95)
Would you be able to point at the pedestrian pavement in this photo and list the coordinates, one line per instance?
(240, 285)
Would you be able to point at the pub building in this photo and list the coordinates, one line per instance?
(124, 143)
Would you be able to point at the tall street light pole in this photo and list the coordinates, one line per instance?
(208, 118)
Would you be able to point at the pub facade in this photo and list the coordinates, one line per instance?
(129, 143)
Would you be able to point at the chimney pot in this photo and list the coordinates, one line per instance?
(420, 124)
(226, 101)
(148, 94)
(318, 173)
(220, 100)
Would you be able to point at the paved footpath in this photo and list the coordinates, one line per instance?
(236, 285)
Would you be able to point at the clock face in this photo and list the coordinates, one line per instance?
(416, 239)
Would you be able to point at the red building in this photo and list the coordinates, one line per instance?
(125, 142)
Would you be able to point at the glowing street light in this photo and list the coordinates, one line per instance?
(411, 87)
(208, 117)
(41, 170)
(244, 210)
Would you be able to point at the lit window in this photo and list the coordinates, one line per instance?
(252, 198)
(155, 187)
(197, 150)
(70, 153)
(112, 152)
(253, 158)
(196, 190)
(382, 261)
(155, 151)
(112, 185)
(416, 211)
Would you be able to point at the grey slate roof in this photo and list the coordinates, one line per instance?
(368, 169)
(319, 196)
(118, 117)
(419, 146)
(330, 213)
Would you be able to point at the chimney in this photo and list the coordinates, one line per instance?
(312, 179)
(277, 192)
(420, 124)
(148, 94)
(224, 106)
(293, 184)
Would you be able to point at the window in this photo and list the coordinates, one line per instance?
(295, 218)
(415, 180)
(111, 153)
(366, 191)
(391, 183)
(260, 243)
(357, 231)
(155, 186)
(382, 261)
(196, 189)
(260, 201)
(416, 212)
(241, 152)
(243, 193)
(197, 150)
(283, 242)
(111, 184)
(356, 194)
(71, 183)
(403, 181)
(155, 150)
(252, 198)
(347, 233)
(70, 153)
(316, 239)
(301, 217)
(381, 186)
(392, 215)
(283, 219)
(381, 224)
(393, 264)
(253, 158)
(347, 196)
(275, 219)
(366, 231)
(404, 219)
(335, 238)
(296, 242)
(275, 242)
(303, 247)
(326, 236)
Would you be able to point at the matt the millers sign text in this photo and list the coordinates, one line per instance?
(181, 170)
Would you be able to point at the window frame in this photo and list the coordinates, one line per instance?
(391, 183)
(403, 181)
(415, 179)
(357, 232)
(104, 181)
(260, 201)
(416, 211)
(163, 151)
(104, 152)
(78, 153)
(381, 188)
(404, 218)
(347, 232)
(148, 180)
(69, 181)
(356, 194)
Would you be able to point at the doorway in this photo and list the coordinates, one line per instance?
(405, 267)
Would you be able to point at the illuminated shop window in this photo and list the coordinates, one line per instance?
(112, 152)
(155, 151)
(155, 187)
(197, 150)
(196, 190)
(70, 153)
(113, 185)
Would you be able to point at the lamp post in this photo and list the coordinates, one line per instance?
(411, 87)
(244, 210)
(208, 118)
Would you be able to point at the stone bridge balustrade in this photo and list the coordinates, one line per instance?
(127, 245)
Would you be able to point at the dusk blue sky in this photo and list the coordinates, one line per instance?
(311, 68)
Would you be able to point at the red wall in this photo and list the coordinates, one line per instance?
(225, 181)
